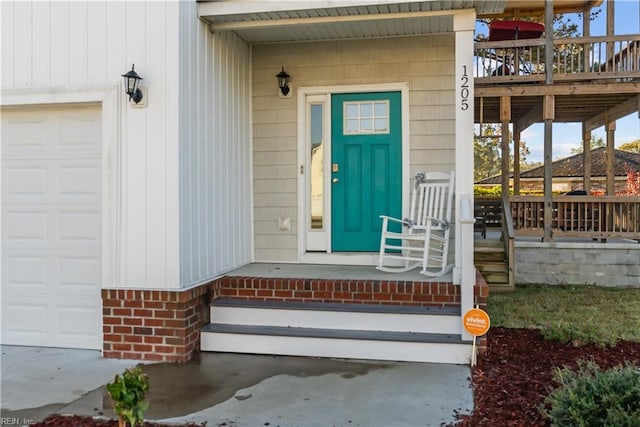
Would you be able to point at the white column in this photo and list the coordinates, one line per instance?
(464, 270)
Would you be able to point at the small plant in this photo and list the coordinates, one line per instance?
(127, 392)
(592, 397)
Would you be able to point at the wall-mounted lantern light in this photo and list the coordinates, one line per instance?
(131, 82)
(283, 79)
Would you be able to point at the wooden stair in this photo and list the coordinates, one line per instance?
(492, 261)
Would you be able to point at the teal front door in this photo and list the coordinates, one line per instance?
(366, 168)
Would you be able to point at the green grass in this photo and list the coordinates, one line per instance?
(571, 314)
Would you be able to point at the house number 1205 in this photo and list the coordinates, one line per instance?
(464, 89)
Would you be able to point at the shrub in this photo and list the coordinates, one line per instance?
(565, 332)
(492, 191)
(633, 183)
(591, 397)
(127, 392)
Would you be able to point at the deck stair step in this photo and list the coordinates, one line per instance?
(363, 331)
(491, 260)
(488, 250)
(493, 267)
(496, 278)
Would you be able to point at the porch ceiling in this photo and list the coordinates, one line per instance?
(296, 21)
(536, 7)
(590, 109)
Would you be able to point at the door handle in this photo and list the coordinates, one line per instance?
(334, 180)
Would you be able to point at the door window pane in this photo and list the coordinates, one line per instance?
(381, 109)
(381, 125)
(351, 110)
(352, 126)
(366, 117)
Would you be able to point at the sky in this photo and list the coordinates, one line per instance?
(568, 135)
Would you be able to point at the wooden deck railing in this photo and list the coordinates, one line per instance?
(508, 236)
(578, 216)
(580, 58)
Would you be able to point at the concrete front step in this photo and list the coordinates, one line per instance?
(340, 343)
(359, 331)
(373, 317)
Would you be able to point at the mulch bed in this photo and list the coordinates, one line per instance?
(510, 381)
(513, 377)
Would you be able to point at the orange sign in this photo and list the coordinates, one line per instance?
(476, 322)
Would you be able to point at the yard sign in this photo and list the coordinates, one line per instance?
(476, 322)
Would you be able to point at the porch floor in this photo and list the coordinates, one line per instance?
(324, 271)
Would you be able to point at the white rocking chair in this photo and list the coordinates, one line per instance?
(424, 238)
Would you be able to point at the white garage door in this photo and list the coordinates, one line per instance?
(51, 186)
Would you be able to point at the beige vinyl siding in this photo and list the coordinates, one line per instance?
(425, 63)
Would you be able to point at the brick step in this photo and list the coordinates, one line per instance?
(420, 292)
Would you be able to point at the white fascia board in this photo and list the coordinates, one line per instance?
(216, 8)
(464, 20)
(290, 22)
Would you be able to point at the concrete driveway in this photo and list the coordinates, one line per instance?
(240, 390)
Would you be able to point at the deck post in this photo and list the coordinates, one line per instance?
(586, 159)
(516, 159)
(548, 116)
(548, 113)
(611, 8)
(548, 38)
(611, 136)
(505, 118)
(586, 32)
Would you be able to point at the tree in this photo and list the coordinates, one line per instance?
(524, 152)
(487, 157)
(596, 142)
(633, 146)
(488, 153)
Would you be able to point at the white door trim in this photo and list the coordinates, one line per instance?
(109, 98)
(303, 92)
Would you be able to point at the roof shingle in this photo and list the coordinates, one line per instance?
(572, 166)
